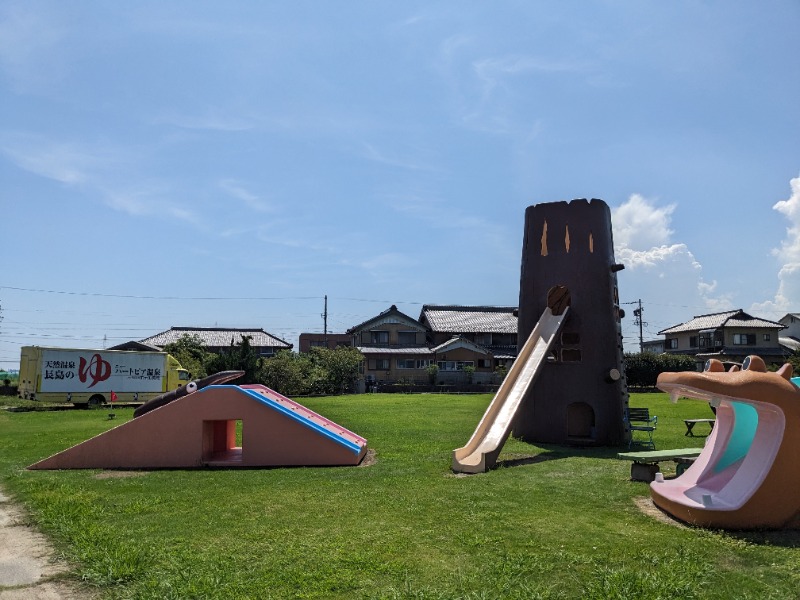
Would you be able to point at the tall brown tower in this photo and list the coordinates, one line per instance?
(580, 395)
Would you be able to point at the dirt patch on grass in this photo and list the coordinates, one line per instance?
(646, 505)
(119, 474)
(369, 459)
(28, 569)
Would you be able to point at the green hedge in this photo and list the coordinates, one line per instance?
(642, 369)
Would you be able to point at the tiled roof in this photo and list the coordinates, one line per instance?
(792, 343)
(460, 342)
(731, 318)
(470, 319)
(217, 336)
(392, 311)
(419, 350)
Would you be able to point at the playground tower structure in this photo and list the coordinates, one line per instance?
(581, 394)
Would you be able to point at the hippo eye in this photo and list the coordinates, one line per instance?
(754, 363)
(714, 366)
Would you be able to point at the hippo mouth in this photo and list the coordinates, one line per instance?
(740, 451)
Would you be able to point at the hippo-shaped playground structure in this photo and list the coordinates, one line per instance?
(748, 474)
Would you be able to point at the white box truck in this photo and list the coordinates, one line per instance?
(95, 377)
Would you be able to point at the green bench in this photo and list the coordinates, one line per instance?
(645, 464)
(639, 419)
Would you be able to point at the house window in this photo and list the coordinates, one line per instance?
(407, 338)
(671, 344)
(485, 363)
(693, 341)
(318, 344)
(766, 337)
(483, 339)
(379, 337)
(423, 363)
(454, 365)
(744, 339)
(379, 364)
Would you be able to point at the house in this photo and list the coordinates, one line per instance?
(323, 340)
(397, 347)
(727, 336)
(220, 339)
(790, 337)
(394, 346)
(491, 327)
(653, 346)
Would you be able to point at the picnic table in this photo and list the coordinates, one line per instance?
(690, 423)
(645, 464)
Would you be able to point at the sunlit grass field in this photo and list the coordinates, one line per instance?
(550, 522)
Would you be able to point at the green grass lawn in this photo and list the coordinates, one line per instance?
(550, 522)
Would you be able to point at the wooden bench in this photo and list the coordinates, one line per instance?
(645, 464)
(639, 419)
(690, 423)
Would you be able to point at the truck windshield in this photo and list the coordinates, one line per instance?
(183, 375)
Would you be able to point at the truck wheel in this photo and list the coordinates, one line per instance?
(96, 401)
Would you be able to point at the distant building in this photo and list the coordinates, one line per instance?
(790, 337)
(653, 346)
(323, 340)
(136, 347)
(726, 336)
(219, 339)
(491, 327)
(461, 341)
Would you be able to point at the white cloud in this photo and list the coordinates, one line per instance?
(665, 272)
(640, 225)
(237, 189)
(789, 251)
(63, 162)
(375, 155)
(212, 120)
(785, 299)
(97, 170)
(386, 261)
(655, 256)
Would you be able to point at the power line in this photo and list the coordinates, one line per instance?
(135, 297)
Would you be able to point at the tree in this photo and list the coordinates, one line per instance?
(334, 371)
(469, 371)
(191, 353)
(794, 360)
(286, 373)
(433, 371)
(321, 371)
(240, 357)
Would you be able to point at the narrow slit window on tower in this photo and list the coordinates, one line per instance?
(566, 238)
(591, 243)
(544, 239)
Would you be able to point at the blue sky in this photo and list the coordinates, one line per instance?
(231, 163)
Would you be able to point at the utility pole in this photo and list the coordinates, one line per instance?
(637, 312)
(325, 322)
